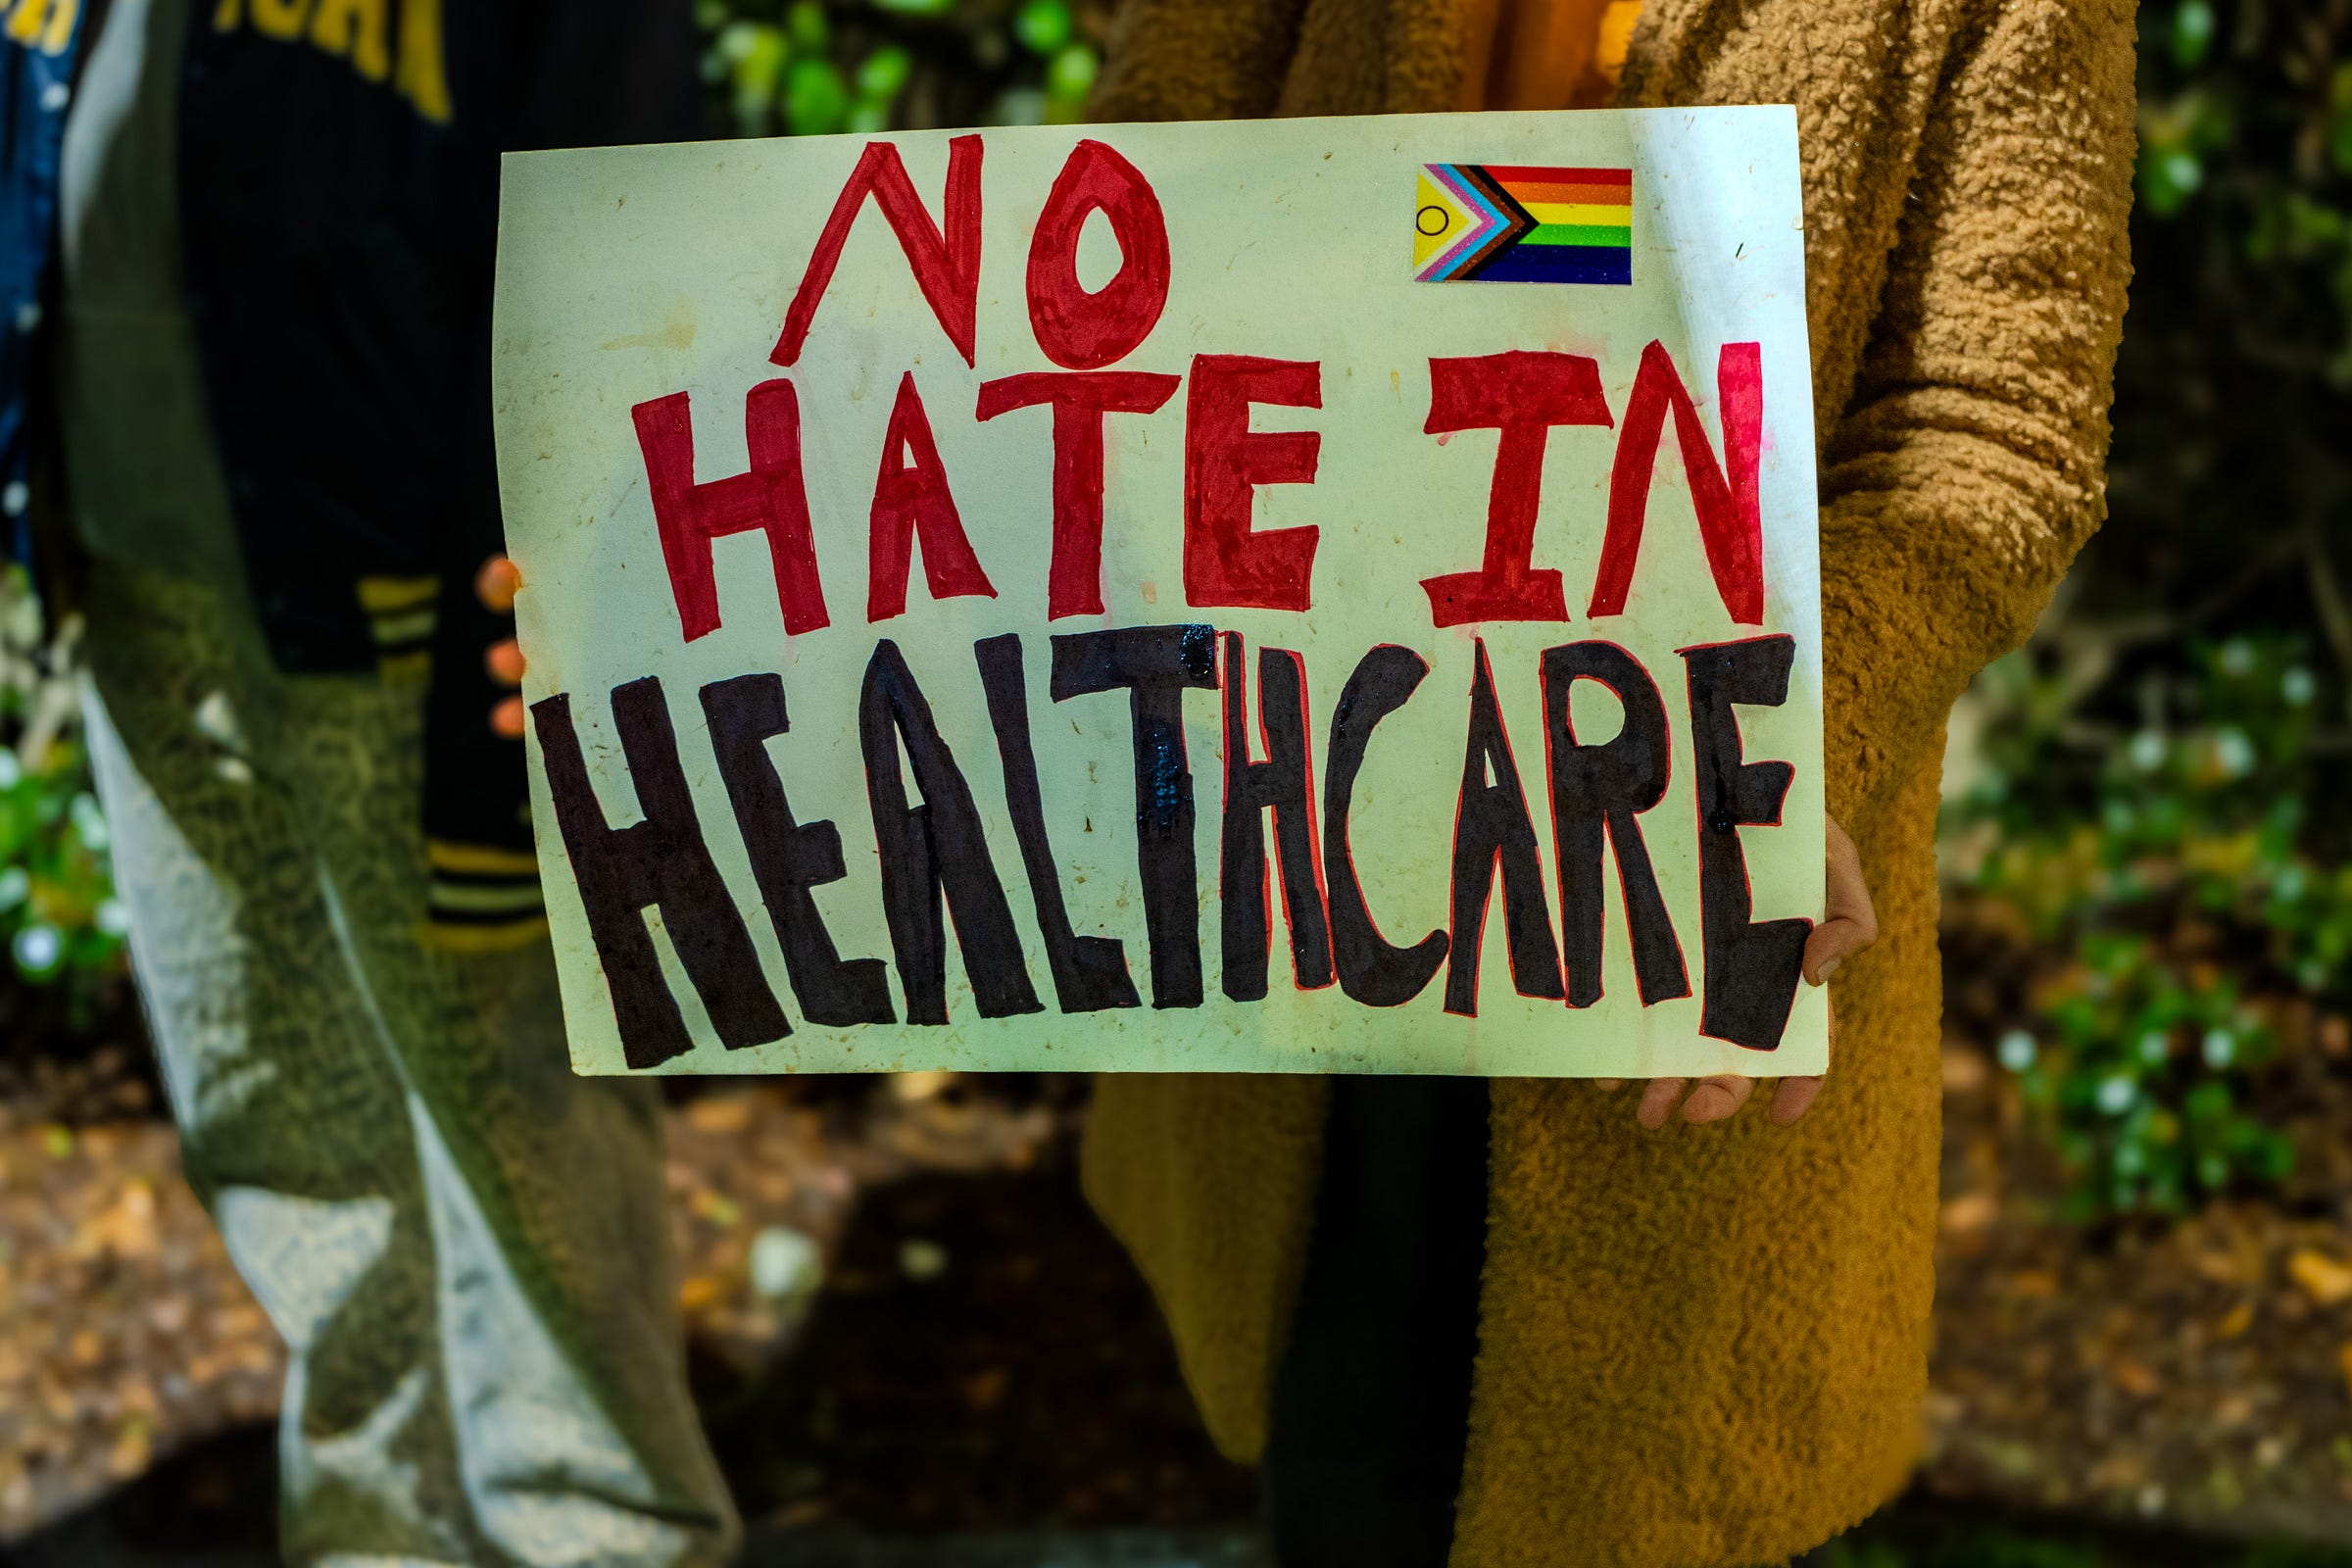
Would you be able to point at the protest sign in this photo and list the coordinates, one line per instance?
(1316, 595)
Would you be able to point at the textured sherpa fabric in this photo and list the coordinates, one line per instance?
(1706, 1346)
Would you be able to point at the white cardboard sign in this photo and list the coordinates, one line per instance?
(1316, 595)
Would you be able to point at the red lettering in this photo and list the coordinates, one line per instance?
(1522, 394)
(1084, 330)
(912, 501)
(770, 497)
(947, 265)
(1730, 513)
(1080, 402)
(1225, 562)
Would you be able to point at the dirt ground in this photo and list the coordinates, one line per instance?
(2193, 1371)
(980, 1356)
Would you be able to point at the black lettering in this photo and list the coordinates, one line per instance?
(660, 863)
(1370, 968)
(1493, 831)
(1155, 665)
(933, 849)
(1285, 784)
(789, 857)
(1752, 966)
(1599, 789)
(1090, 973)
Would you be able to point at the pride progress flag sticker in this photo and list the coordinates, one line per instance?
(1523, 224)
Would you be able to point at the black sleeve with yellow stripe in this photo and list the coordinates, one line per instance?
(339, 211)
(577, 72)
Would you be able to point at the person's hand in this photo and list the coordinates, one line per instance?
(1848, 925)
(495, 586)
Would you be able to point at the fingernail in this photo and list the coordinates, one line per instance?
(1821, 976)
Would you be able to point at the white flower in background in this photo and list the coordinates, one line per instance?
(2016, 1051)
(38, 947)
(89, 822)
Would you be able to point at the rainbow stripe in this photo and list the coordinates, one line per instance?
(1523, 224)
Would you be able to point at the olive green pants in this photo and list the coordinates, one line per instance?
(464, 1244)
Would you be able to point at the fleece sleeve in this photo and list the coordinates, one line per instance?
(1196, 60)
(1968, 466)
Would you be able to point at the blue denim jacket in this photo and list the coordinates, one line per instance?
(39, 40)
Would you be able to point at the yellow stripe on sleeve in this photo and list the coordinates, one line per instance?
(382, 596)
(479, 858)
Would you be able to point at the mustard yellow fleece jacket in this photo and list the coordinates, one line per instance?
(1707, 1346)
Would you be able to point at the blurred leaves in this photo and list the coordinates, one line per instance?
(2235, 377)
(123, 1328)
(2148, 806)
(805, 69)
(2229, 478)
(2175, 877)
(2246, 113)
(59, 919)
(2326, 1280)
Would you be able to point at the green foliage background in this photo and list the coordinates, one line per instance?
(801, 68)
(2158, 791)
(59, 919)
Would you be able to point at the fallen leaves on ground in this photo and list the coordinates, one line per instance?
(123, 1329)
(2323, 1278)
(2198, 1371)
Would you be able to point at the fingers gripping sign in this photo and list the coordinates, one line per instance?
(1848, 925)
(494, 585)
